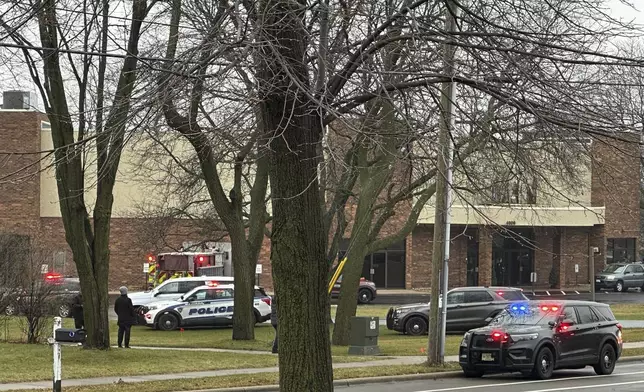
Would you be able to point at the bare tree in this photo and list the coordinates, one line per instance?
(60, 41)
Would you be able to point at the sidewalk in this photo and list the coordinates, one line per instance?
(405, 360)
(389, 361)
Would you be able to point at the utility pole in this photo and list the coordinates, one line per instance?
(442, 224)
(591, 271)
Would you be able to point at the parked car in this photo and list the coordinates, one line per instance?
(620, 277)
(366, 291)
(202, 307)
(539, 337)
(174, 288)
(467, 308)
(58, 299)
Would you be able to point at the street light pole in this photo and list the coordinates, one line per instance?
(449, 111)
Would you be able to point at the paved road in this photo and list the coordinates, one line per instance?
(606, 297)
(627, 378)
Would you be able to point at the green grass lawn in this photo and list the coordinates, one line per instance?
(628, 311)
(247, 380)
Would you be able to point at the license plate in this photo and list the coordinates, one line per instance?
(597, 280)
(487, 357)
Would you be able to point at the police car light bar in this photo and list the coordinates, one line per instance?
(212, 283)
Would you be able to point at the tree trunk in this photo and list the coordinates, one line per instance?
(348, 303)
(298, 241)
(243, 314)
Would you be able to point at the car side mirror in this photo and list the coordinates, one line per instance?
(489, 320)
(552, 324)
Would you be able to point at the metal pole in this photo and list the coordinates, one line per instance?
(448, 156)
(57, 356)
(591, 271)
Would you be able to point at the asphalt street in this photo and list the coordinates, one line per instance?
(608, 297)
(628, 377)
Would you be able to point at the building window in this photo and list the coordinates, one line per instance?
(620, 250)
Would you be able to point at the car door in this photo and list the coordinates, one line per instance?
(588, 332)
(193, 312)
(630, 279)
(167, 292)
(220, 306)
(476, 309)
(639, 275)
(455, 311)
(567, 337)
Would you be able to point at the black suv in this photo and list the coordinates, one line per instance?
(467, 308)
(58, 300)
(537, 337)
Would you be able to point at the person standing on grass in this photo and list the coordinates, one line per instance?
(125, 311)
(77, 312)
(274, 321)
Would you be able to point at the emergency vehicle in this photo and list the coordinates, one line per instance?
(210, 305)
(165, 266)
(172, 289)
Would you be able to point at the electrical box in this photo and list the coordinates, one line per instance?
(363, 339)
(70, 335)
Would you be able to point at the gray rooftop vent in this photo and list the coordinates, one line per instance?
(19, 100)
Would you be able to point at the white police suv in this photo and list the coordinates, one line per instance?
(203, 306)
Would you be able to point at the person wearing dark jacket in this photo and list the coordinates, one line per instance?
(77, 312)
(274, 321)
(125, 312)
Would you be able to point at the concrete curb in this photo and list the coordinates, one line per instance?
(375, 380)
(346, 382)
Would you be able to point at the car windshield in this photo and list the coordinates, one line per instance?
(614, 268)
(527, 314)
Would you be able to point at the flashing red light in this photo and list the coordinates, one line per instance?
(201, 259)
(266, 300)
(150, 258)
(212, 283)
(563, 327)
(500, 337)
(547, 308)
(50, 276)
(500, 293)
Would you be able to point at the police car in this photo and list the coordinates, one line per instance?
(203, 306)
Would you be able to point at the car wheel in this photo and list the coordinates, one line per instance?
(63, 310)
(472, 373)
(607, 360)
(544, 364)
(619, 286)
(365, 296)
(168, 322)
(416, 326)
(10, 310)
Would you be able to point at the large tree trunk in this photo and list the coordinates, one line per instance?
(244, 314)
(298, 240)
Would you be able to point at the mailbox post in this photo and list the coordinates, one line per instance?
(62, 336)
(363, 339)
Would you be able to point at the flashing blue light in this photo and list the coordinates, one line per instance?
(519, 309)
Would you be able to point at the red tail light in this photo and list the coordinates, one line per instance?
(266, 300)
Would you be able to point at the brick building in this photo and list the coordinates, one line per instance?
(505, 246)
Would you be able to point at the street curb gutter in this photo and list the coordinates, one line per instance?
(375, 380)
(346, 382)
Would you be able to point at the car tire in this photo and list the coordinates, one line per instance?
(619, 286)
(10, 310)
(168, 322)
(607, 360)
(543, 364)
(416, 326)
(64, 311)
(472, 373)
(365, 296)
